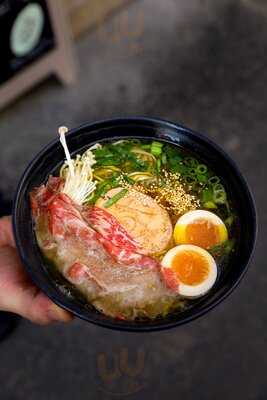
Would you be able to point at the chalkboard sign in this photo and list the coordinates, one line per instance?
(34, 42)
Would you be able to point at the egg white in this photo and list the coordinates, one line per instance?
(196, 290)
(192, 216)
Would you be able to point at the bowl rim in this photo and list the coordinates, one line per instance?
(113, 323)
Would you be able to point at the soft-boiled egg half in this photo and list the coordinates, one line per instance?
(189, 270)
(201, 228)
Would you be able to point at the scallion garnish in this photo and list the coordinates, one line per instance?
(115, 198)
(156, 148)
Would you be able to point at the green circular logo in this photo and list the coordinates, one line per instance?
(27, 30)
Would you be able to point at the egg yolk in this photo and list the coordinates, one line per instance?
(190, 267)
(203, 233)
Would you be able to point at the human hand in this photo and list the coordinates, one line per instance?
(17, 293)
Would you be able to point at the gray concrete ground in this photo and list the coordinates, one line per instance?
(202, 63)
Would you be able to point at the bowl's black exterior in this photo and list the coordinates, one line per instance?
(49, 160)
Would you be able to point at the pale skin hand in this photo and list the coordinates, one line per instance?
(17, 293)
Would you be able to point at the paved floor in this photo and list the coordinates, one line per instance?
(199, 62)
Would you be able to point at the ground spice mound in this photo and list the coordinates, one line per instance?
(168, 191)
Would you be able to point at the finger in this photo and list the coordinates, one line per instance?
(6, 233)
(30, 303)
(43, 311)
(20, 296)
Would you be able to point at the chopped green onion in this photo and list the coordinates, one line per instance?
(207, 195)
(229, 245)
(192, 172)
(175, 159)
(190, 179)
(202, 169)
(108, 161)
(179, 167)
(157, 144)
(156, 148)
(128, 179)
(145, 146)
(210, 205)
(156, 151)
(115, 198)
(217, 187)
(102, 189)
(202, 178)
(164, 159)
(191, 162)
(213, 180)
(222, 249)
(219, 197)
(158, 165)
(229, 221)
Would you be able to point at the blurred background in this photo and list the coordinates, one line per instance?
(199, 62)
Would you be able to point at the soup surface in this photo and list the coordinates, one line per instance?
(139, 228)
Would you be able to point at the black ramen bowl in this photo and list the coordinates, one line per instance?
(48, 162)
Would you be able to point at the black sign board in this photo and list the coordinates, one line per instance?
(32, 31)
